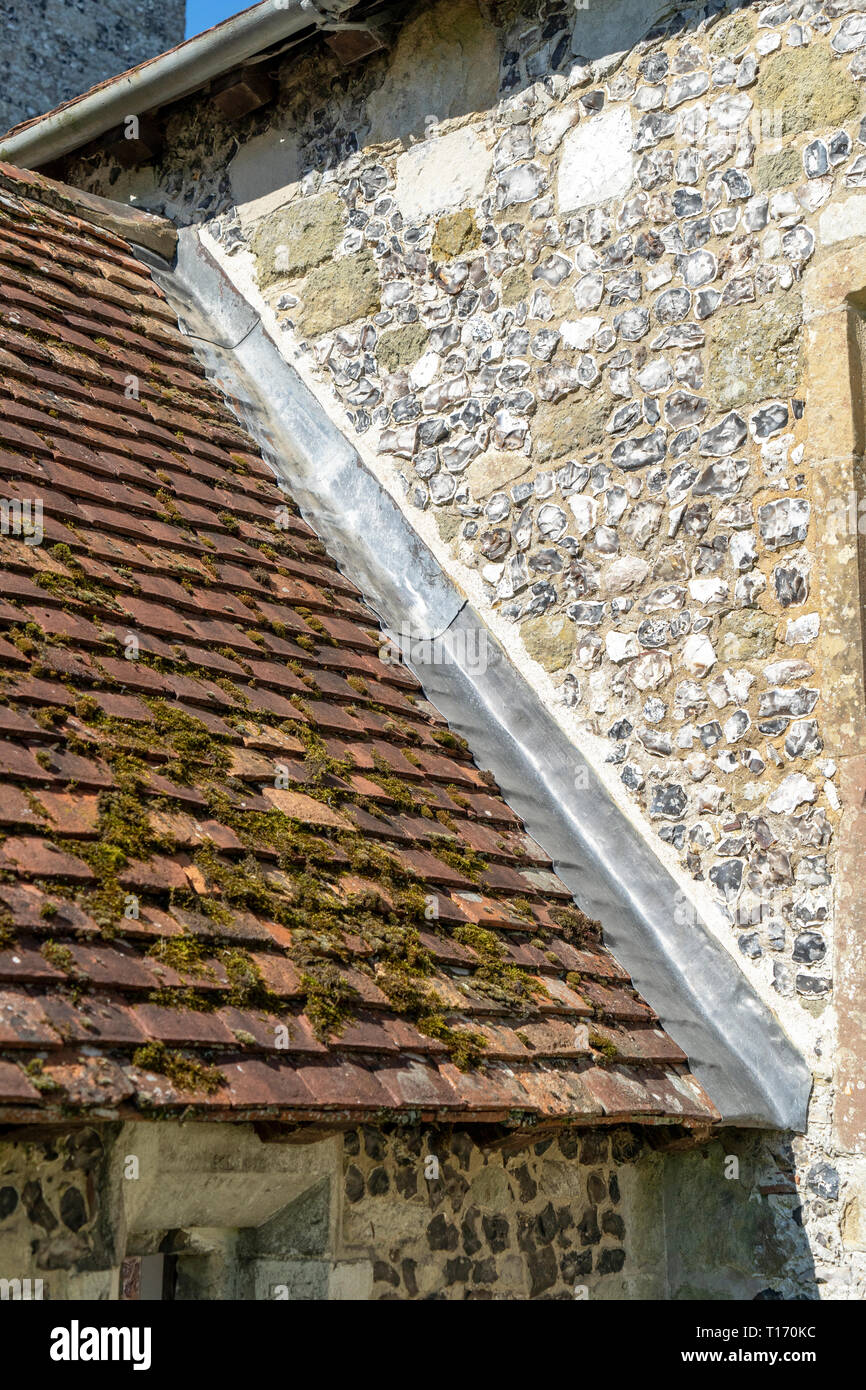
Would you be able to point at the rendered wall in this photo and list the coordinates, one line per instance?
(588, 314)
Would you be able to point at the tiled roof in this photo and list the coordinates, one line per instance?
(245, 869)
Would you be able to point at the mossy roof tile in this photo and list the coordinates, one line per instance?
(248, 869)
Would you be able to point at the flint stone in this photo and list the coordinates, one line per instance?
(792, 791)
(596, 161)
(784, 522)
(630, 454)
(725, 437)
(668, 801)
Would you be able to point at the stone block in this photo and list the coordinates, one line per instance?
(400, 347)
(571, 425)
(445, 64)
(747, 636)
(493, 470)
(779, 168)
(755, 352)
(295, 239)
(456, 234)
(806, 89)
(843, 220)
(338, 293)
(422, 191)
(596, 161)
(549, 640)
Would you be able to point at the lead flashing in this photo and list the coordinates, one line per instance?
(737, 1049)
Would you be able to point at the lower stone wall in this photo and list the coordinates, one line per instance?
(440, 1217)
(403, 1213)
(596, 1214)
(56, 1226)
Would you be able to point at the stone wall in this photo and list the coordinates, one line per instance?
(592, 1215)
(401, 1213)
(56, 1205)
(558, 297)
(56, 49)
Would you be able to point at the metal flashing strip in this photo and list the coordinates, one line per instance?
(736, 1046)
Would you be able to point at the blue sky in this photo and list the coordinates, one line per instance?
(201, 14)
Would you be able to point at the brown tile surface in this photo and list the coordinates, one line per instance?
(245, 868)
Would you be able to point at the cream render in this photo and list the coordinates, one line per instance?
(594, 317)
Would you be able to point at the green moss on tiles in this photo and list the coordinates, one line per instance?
(171, 997)
(184, 954)
(74, 589)
(575, 926)
(304, 675)
(188, 1074)
(398, 791)
(36, 1075)
(465, 1047)
(247, 988)
(319, 763)
(48, 716)
(329, 999)
(450, 740)
(62, 552)
(463, 860)
(242, 884)
(58, 955)
(27, 639)
(523, 908)
(496, 976)
(190, 741)
(123, 833)
(173, 514)
(604, 1046)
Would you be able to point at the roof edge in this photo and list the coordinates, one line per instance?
(737, 1049)
(140, 228)
(164, 79)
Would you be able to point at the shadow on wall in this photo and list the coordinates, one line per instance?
(718, 1223)
(733, 1221)
(606, 1215)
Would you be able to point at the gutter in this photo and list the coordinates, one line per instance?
(736, 1046)
(166, 78)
